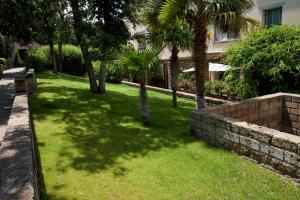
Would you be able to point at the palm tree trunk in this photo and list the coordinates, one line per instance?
(174, 66)
(199, 56)
(144, 103)
(102, 76)
(78, 28)
(60, 55)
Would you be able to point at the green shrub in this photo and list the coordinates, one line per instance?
(2, 61)
(38, 58)
(72, 59)
(266, 61)
(114, 72)
(96, 66)
(95, 53)
(215, 87)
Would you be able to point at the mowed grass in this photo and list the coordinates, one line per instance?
(94, 146)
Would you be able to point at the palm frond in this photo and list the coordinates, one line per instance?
(229, 15)
(172, 9)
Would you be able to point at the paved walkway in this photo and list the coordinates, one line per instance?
(7, 95)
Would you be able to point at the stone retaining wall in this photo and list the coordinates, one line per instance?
(208, 100)
(264, 111)
(291, 114)
(227, 126)
(18, 174)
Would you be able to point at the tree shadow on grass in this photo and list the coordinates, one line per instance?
(103, 128)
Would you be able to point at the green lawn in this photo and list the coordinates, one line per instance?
(94, 146)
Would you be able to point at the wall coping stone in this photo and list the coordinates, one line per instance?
(18, 174)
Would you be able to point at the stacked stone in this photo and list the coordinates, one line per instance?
(26, 82)
(266, 111)
(265, 145)
(18, 175)
(291, 114)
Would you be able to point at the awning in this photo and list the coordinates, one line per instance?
(213, 67)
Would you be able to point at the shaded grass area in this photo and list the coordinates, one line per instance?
(94, 146)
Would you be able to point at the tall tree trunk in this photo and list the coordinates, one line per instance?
(102, 75)
(174, 66)
(199, 56)
(52, 54)
(60, 55)
(144, 103)
(78, 28)
(50, 33)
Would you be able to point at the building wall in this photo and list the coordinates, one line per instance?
(290, 16)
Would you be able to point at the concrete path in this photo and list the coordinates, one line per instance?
(7, 95)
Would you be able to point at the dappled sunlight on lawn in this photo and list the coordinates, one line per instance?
(94, 146)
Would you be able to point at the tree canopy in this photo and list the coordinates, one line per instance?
(266, 61)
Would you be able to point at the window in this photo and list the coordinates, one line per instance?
(224, 36)
(273, 16)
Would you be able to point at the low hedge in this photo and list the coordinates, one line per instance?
(114, 72)
(39, 59)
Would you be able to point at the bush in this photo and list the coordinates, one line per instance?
(95, 53)
(72, 59)
(38, 58)
(2, 61)
(114, 72)
(215, 87)
(267, 61)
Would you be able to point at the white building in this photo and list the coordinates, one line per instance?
(268, 12)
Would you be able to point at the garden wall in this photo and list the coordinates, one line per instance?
(232, 127)
(18, 174)
(18, 171)
(264, 111)
(208, 100)
(291, 114)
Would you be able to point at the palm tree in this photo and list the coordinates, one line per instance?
(229, 15)
(140, 63)
(176, 36)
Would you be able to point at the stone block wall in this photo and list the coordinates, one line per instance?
(26, 82)
(225, 127)
(291, 114)
(265, 111)
(18, 174)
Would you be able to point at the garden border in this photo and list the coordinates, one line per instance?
(209, 100)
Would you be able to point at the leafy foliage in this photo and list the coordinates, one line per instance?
(19, 19)
(2, 61)
(140, 63)
(72, 59)
(229, 15)
(166, 35)
(38, 58)
(5, 45)
(114, 71)
(267, 61)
